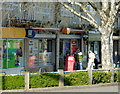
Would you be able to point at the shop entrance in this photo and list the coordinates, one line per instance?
(68, 47)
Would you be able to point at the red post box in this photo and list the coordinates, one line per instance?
(70, 63)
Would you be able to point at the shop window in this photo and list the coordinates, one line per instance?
(74, 46)
(49, 45)
(12, 54)
(1, 52)
(66, 47)
(33, 53)
(40, 52)
(45, 54)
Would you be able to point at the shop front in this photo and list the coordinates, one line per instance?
(95, 43)
(12, 45)
(43, 49)
(40, 54)
(68, 47)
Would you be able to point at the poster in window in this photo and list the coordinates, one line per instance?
(36, 59)
(40, 57)
(36, 44)
(31, 49)
(73, 46)
(31, 42)
(32, 61)
(66, 48)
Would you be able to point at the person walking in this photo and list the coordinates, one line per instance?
(96, 60)
(80, 61)
(116, 60)
(91, 60)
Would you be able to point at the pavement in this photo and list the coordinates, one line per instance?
(107, 87)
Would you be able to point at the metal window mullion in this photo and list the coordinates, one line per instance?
(23, 54)
(7, 53)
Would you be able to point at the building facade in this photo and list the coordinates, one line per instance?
(44, 40)
(44, 48)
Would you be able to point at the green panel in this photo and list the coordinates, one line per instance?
(12, 58)
(12, 49)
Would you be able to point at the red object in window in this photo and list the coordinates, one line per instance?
(73, 46)
(70, 63)
(65, 30)
(32, 61)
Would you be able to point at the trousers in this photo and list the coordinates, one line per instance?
(79, 65)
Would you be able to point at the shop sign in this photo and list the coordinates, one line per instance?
(65, 30)
(12, 32)
(30, 33)
(73, 46)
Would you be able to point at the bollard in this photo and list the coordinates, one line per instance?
(26, 80)
(61, 77)
(112, 76)
(90, 76)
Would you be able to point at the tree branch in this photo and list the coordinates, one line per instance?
(85, 10)
(99, 11)
(118, 5)
(113, 9)
(79, 15)
(113, 14)
(94, 6)
(105, 5)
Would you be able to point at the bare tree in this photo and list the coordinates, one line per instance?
(108, 13)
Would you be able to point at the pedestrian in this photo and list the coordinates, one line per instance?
(76, 54)
(96, 60)
(91, 60)
(18, 56)
(80, 61)
(116, 60)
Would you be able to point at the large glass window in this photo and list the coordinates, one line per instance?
(12, 54)
(45, 51)
(40, 52)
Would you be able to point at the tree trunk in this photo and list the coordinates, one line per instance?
(107, 50)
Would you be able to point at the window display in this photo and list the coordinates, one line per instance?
(33, 53)
(40, 52)
(12, 54)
